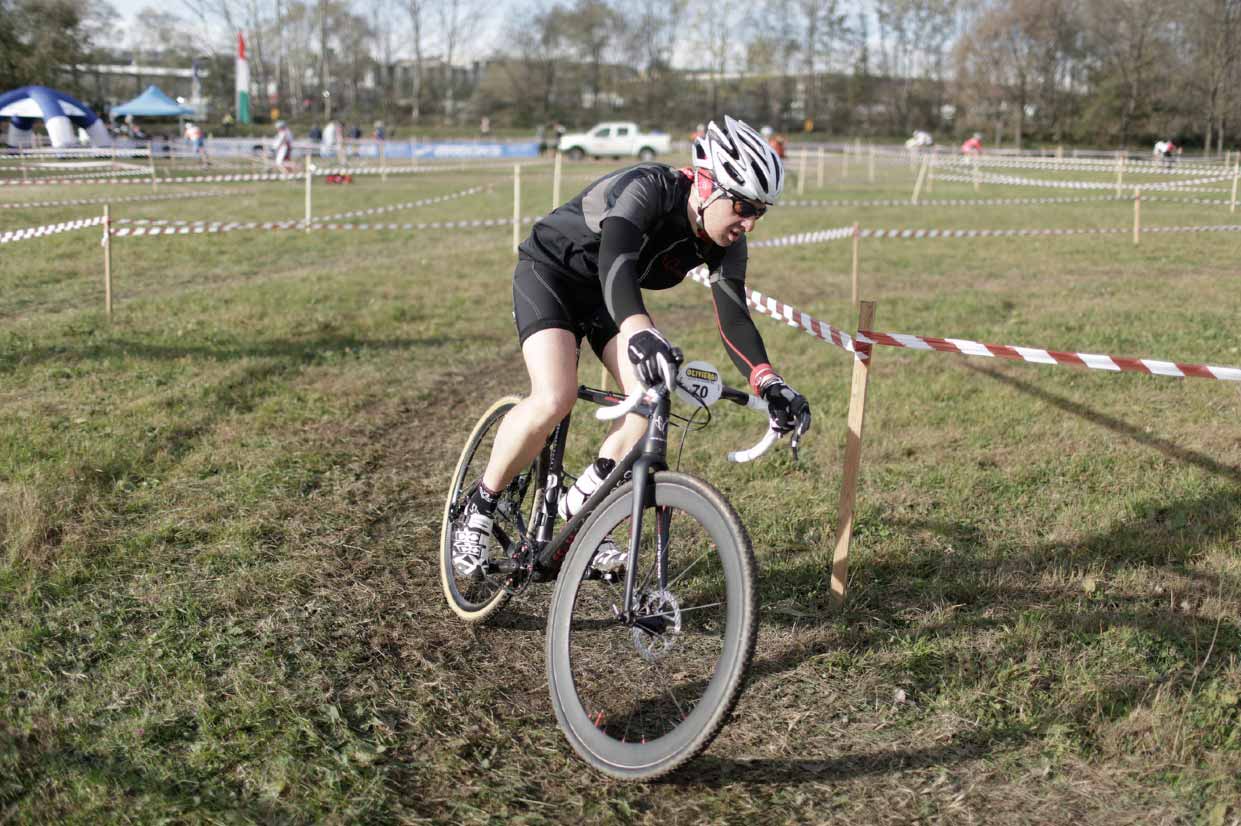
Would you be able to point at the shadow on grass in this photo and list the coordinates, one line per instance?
(1167, 448)
(709, 770)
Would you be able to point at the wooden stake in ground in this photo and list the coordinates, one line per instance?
(516, 206)
(930, 173)
(844, 161)
(974, 163)
(853, 456)
(920, 180)
(556, 180)
(870, 172)
(107, 260)
(857, 254)
(1120, 172)
(151, 157)
(801, 172)
(1137, 216)
(383, 160)
(1235, 170)
(308, 169)
(820, 167)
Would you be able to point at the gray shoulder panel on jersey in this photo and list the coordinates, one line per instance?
(632, 204)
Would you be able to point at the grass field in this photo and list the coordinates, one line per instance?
(220, 513)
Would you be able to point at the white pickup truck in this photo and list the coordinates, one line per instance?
(615, 139)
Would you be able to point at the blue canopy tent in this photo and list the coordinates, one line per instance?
(58, 111)
(152, 103)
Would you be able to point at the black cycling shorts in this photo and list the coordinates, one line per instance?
(544, 299)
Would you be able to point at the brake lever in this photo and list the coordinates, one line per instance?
(803, 424)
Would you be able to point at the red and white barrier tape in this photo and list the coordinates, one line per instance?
(1131, 167)
(865, 339)
(122, 199)
(474, 190)
(828, 235)
(142, 227)
(791, 316)
(904, 202)
(49, 229)
(820, 237)
(1093, 361)
(990, 178)
(196, 179)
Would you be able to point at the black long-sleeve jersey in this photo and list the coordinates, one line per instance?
(629, 231)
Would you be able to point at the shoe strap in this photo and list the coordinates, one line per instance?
(479, 522)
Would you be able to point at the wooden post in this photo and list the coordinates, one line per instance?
(107, 260)
(820, 184)
(844, 161)
(556, 180)
(857, 253)
(1120, 172)
(930, 173)
(801, 172)
(920, 180)
(853, 455)
(974, 163)
(1235, 170)
(383, 160)
(1137, 216)
(1060, 152)
(516, 205)
(151, 157)
(871, 170)
(308, 168)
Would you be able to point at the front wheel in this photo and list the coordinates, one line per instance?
(478, 595)
(636, 700)
(646, 154)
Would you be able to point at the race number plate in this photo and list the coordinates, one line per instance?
(699, 384)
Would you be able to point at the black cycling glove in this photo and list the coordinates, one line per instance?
(787, 409)
(651, 355)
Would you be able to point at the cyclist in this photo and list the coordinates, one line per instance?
(580, 274)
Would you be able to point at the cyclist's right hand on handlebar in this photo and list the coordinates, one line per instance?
(652, 356)
(788, 409)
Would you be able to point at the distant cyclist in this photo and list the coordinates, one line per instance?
(581, 273)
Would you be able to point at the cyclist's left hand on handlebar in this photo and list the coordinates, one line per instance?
(788, 409)
(653, 358)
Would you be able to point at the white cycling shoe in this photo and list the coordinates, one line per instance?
(471, 542)
(609, 558)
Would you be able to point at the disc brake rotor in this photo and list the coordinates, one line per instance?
(657, 636)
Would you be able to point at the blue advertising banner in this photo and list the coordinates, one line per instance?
(450, 151)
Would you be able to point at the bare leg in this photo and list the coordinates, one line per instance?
(551, 361)
(625, 432)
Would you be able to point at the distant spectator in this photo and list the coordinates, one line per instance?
(283, 146)
(972, 145)
(380, 133)
(774, 140)
(921, 141)
(355, 133)
(194, 135)
(315, 134)
(330, 142)
(484, 127)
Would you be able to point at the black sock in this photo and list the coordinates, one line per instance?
(484, 499)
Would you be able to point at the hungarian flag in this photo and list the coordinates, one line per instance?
(243, 81)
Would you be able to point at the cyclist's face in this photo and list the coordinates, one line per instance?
(725, 219)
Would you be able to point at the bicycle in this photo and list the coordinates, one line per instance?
(625, 704)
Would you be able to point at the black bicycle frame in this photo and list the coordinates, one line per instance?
(645, 458)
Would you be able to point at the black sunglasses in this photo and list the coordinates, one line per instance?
(747, 209)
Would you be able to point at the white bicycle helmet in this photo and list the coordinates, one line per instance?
(740, 161)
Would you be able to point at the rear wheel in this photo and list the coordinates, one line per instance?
(477, 596)
(646, 154)
(576, 153)
(638, 700)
